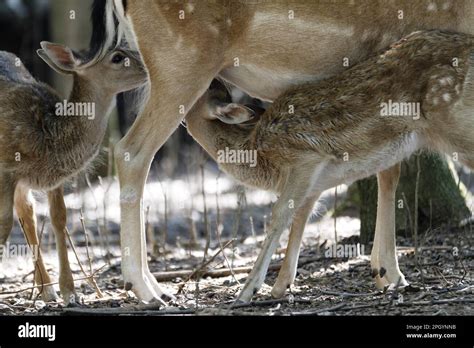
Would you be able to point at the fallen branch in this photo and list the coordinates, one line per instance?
(149, 309)
(266, 303)
(3, 293)
(199, 270)
(348, 294)
(223, 272)
(321, 310)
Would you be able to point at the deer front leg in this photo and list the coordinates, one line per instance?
(384, 260)
(170, 96)
(287, 273)
(25, 209)
(58, 214)
(292, 197)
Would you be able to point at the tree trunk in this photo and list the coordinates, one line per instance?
(439, 199)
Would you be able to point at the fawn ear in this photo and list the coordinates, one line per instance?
(58, 57)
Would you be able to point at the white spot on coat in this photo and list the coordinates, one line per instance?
(446, 81)
(432, 7)
(446, 6)
(447, 97)
(458, 88)
(214, 30)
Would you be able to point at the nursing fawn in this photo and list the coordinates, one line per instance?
(44, 140)
(419, 94)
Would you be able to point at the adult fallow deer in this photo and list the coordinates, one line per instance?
(261, 47)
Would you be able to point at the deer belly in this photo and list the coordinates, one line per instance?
(379, 159)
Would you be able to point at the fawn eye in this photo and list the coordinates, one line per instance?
(118, 58)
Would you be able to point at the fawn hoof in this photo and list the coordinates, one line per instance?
(237, 302)
(278, 291)
(72, 303)
(246, 295)
(48, 294)
(71, 299)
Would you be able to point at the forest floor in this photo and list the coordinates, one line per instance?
(440, 284)
(440, 277)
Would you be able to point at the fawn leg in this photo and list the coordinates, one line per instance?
(384, 260)
(287, 273)
(7, 189)
(58, 214)
(292, 197)
(25, 209)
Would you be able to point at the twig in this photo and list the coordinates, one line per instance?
(415, 218)
(39, 286)
(149, 232)
(410, 221)
(321, 310)
(348, 294)
(224, 272)
(104, 215)
(152, 309)
(103, 239)
(238, 215)
(89, 278)
(87, 241)
(206, 223)
(266, 303)
(164, 235)
(220, 229)
(204, 265)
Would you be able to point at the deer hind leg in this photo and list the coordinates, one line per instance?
(287, 273)
(384, 260)
(25, 209)
(293, 196)
(58, 214)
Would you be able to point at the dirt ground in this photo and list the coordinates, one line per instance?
(441, 283)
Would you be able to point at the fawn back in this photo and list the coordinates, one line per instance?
(418, 94)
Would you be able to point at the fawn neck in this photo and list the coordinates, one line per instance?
(214, 135)
(79, 126)
(91, 106)
(220, 139)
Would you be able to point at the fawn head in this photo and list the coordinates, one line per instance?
(118, 71)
